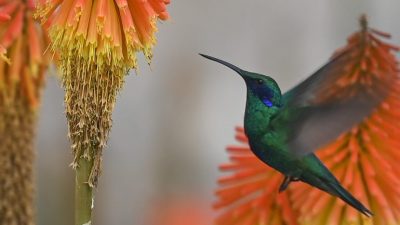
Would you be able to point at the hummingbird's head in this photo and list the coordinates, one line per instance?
(263, 87)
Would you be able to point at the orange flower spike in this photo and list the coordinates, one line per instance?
(137, 19)
(369, 174)
(22, 35)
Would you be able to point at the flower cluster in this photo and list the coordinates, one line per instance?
(97, 42)
(103, 32)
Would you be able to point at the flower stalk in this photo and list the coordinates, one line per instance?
(83, 193)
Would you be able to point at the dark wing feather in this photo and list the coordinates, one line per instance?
(312, 121)
(310, 89)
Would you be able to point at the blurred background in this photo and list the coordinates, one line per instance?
(174, 118)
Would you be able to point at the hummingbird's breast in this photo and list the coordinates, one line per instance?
(270, 149)
(260, 151)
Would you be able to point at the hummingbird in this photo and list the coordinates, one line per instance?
(284, 130)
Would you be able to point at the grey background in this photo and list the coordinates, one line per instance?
(173, 120)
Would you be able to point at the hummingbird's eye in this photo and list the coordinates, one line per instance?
(259, 81)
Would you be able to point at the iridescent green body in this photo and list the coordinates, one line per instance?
(277, 125)
(268, 142)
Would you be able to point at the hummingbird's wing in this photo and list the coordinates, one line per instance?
(318, 110)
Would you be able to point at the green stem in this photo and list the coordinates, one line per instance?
(83, 193)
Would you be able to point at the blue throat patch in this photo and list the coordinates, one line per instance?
(267, 102)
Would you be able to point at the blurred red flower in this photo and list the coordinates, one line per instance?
(25, 42)
(180, 211)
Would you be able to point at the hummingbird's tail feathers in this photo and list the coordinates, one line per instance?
(323, 179)
(339, 191)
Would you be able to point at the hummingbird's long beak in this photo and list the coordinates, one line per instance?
(233, 67)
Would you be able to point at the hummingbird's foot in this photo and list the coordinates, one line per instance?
(286, 181)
